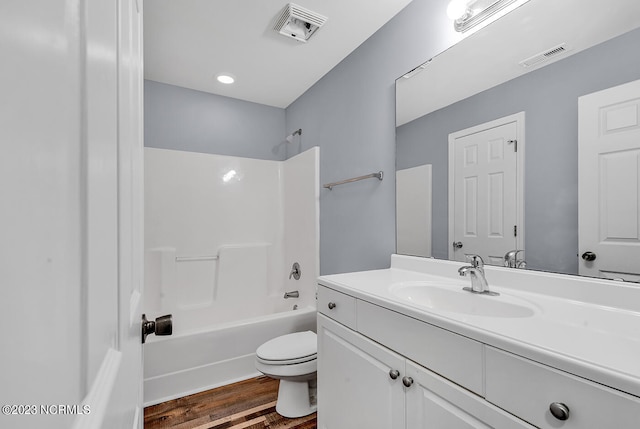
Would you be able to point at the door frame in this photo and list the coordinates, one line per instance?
(519, 119)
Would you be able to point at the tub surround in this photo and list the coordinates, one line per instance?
(222, 232)
(221, 235)
(578, 330)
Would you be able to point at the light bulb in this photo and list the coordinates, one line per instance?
(225, 78)
(457, 9)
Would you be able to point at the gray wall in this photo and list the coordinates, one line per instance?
(549, 98)
(350, 115)
(195, 121)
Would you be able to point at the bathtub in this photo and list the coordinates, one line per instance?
(203, 359)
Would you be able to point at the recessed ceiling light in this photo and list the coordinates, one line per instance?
(225, 78)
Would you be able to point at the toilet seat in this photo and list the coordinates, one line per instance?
(288, 361)
(289, 349)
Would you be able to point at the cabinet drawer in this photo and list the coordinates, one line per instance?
(338, 306)
(527, 389)
(451, 355)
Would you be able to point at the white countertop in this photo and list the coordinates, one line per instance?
(587, 327)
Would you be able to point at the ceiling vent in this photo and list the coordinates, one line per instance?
(298, 23)
(545, 56)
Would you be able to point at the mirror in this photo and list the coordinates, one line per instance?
(573, 48)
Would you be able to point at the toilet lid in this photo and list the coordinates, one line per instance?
(288, 347)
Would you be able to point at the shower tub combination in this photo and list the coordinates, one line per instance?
(221, 236)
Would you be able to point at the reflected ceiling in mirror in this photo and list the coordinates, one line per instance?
(496, 53)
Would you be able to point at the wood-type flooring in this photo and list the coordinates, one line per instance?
(249, 404)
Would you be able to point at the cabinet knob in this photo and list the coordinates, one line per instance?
(559, 410)
(394, 373)
(331, 305)
(407, 381)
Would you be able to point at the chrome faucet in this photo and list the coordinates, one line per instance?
(476, 272)
(511, 259)
(292, 294)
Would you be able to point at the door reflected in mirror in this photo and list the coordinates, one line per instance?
(494, 74)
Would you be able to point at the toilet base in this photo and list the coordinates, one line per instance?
(295, 400)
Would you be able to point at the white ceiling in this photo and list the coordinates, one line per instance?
(188, 42)
(491, 56)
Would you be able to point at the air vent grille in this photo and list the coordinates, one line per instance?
(306, 15)
(545, 55)
(298, 23)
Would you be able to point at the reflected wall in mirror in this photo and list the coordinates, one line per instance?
(480, 79)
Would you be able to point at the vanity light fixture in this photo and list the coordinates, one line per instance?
(467, 14)
(225, 78)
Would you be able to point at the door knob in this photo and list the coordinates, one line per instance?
(163, 325)
(589, 256)
(457, 244)
(407, 381)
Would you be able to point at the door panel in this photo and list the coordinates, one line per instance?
(485, 189)
(64, 261)
(609, 182)
(114, 215)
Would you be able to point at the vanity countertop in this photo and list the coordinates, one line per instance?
(584, 326)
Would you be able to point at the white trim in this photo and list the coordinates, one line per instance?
(99, 395)
(519, 119)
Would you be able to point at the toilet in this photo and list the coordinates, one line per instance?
(292, 359)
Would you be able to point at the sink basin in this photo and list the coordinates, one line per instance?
(449, 297)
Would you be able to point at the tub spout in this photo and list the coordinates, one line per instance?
(292, 294)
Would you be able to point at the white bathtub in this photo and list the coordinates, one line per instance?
(188, 363)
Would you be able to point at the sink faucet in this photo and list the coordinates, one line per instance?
(511, 259)
(476, 272)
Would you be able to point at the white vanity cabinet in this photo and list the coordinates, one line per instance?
(363, 384)
(549, 351)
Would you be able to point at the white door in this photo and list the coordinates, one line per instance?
(357, 389)
(609, 183)
(71, 258)
(114, 214)
(485, 190)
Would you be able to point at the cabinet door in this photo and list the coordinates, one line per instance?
(355, 384)
(435, 403)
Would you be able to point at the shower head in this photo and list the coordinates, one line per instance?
(289, 138)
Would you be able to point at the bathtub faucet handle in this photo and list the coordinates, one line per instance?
(295, 271)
